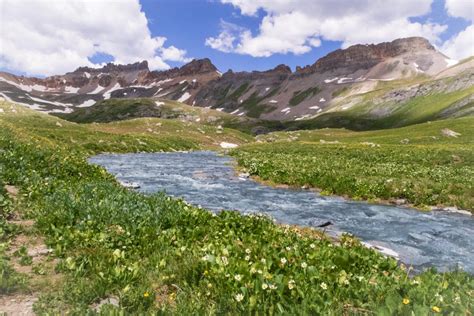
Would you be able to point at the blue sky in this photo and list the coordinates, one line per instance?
(187, 24)
(54, 37)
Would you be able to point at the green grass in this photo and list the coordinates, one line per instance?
(159, 254)
(300, 96)
(431, 169)
(143, 134)
(114, 110)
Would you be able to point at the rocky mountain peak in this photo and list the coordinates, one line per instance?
(362, 56)
(111, 68)
(197, 66)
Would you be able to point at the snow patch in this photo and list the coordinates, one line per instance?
(182, 81)
(234, 112)
(184, 97)
(240, 114)
(267, 88)
(228, 145)
(71, 89)
(194, 80)
(322, 100)
(96, 90)
(330, 80)
(220, 109)
(314, 107)
(86, 104)
(273, 101)
(159, 103)
(286, 110)
(87, 75)
(302, 117)
(115, 87)
(344, 80)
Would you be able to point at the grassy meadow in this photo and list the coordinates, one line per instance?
(159, 255)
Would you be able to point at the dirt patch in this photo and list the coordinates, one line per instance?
(17, 305)
(29, 256)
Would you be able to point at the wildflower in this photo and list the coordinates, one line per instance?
(239, 297)
(182, 249)
(288, 248)
(224, 260)
(324, 286)
(146, 294)
(238, 277)
(283, 260)
(253, 270)
(263, 260)
(312, 246)
(225, 252)
(291, 284)
(273, 287)
(209, 285)
(436, 309)
(247, 250)
(208, 293)
(205, 258)
(264, 286)
(259, 271)
(304, 265)
(406, 301)
(247, 258)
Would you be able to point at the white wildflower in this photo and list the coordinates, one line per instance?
(239, 297)
(247, 258)
(304, 265)
(283, 260)
(247, 251)
(324, 286)
(224, 260)
(264, 286)
(291, 284)
(238, 277)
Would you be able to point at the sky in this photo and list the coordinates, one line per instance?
(47, 37)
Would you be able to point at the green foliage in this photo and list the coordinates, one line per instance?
(300, 96)
(114, 110)
(159, 254)
(355, 166)
(239, 91)
(340, 92)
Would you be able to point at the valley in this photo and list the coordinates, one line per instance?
(343, 187)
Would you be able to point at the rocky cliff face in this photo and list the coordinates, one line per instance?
(278, 93)
(366, 56)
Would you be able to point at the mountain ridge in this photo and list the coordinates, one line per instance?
(274, 94)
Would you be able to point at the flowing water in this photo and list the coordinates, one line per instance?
(422, 239)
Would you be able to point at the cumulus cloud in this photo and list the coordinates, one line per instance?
(43, 37)
(460, 8)
(460, 45)
(295, 26)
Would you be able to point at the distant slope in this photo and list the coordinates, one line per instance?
(128, 135)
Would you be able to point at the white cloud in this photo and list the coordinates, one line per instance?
(44, 37)
(295, 26)
(460, 45)
(461, 8)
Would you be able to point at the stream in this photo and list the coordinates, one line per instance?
(421, 239)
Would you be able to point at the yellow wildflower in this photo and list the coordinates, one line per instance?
(436, 309)
(406, 301)
(146, 294)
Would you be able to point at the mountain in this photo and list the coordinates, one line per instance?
(372, 80)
